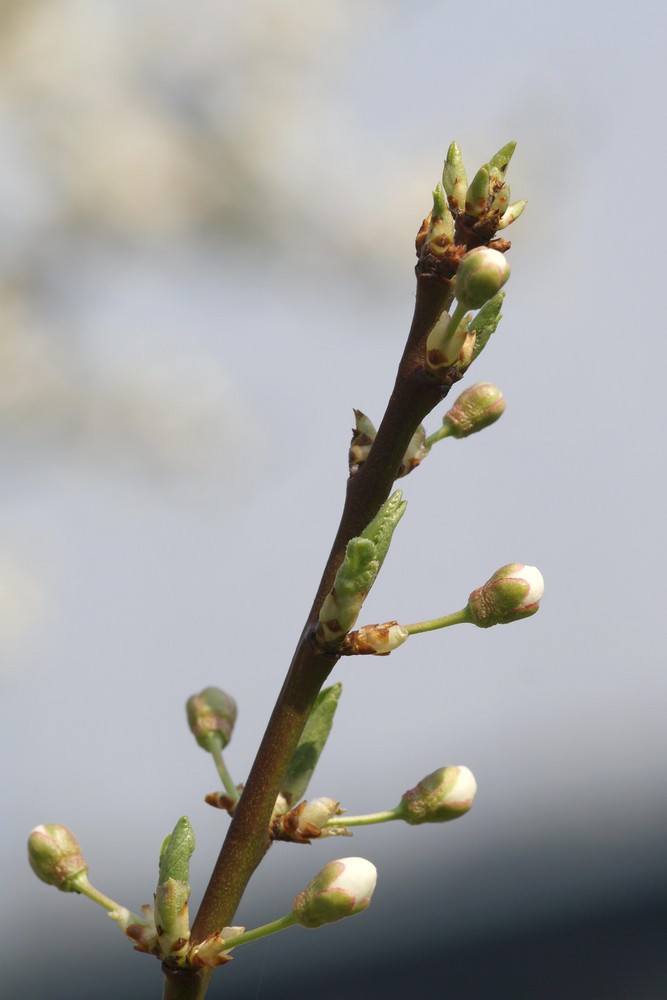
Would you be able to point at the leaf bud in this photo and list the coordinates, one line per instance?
(513, 592)
(374, 640)
(442, 346)
(441, 796)
(477, 407)
(55, 857)
(477, 195)
(308, 821)
(415, 453)
(341, 889)
(213, 950)
(211, 717)
(454, 178)
(511, 214)
(363, 435)
(481, 274)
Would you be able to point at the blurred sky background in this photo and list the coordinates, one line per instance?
(206, 261)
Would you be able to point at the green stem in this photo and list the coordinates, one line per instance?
(455, 321)
(436, 436)
(367, 820)
(281, 924)
(457, 618)
(229, 785)
(86, 888)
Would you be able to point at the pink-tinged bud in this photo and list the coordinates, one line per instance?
(443, 795)
(481, 275)
(55, 857)
(211, 717)
(476, 408)
(341, 889)
(513, 592)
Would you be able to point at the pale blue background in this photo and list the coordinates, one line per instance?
(188, 330)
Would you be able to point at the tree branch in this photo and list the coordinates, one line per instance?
(416, 391)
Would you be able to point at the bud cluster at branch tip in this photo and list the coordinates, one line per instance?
(466, 215)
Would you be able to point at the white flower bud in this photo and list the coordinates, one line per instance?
(443, 795)
(513, 592)
(341, 889)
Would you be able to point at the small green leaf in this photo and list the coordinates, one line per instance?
(381, 528)
(176, 852)
(485, 322)
(311, 744)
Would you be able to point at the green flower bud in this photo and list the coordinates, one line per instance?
(443, 795)
(476, 408)
(211, 717)
(481, 274)
(513, 592)
(341, 889)
(55, 857)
